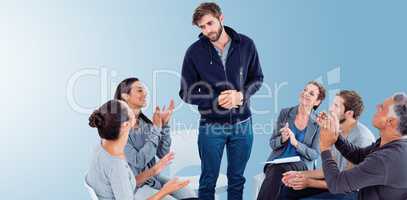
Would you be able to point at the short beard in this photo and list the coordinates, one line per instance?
(218, 33)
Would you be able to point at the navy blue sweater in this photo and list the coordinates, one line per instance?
(204, 77)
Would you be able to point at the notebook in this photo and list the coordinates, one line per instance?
(284, 160)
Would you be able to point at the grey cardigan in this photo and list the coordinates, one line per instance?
(309, 149)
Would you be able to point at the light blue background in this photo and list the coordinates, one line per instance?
(46, 143)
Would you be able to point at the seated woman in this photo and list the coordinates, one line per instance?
(149, 138)
(109, 174)
(296, 134)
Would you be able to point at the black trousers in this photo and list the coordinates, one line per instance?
(272, 187)
(290, 194)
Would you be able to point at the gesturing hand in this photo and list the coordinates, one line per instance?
(157, 121)
(174, 185)
(163, 163)
(166, 113)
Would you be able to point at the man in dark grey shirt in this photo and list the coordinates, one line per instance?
(380, 169)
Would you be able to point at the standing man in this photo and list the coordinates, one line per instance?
(219, 74)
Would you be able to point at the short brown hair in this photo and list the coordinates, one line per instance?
(322, 92)
(352, 101)
(206, 9)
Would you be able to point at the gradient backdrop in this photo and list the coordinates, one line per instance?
(61, 59)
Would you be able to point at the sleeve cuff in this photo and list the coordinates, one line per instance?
(278, 141)
(244, 98)
(301, 149)
(326, 155)
(154, 135)
(165, 131)
(156, 130)
(339, 142)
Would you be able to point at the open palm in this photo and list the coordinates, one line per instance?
(166, 113)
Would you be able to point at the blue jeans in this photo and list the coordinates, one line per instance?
(212, 139)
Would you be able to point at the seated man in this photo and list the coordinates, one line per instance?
(348, 106)
(379, 170)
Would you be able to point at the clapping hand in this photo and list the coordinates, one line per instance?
(329, 132)
(286, 134)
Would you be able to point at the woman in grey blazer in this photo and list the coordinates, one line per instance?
(295, 134)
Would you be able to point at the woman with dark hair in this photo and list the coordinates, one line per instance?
(148, 138)
(109, 174)
(296, 134)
